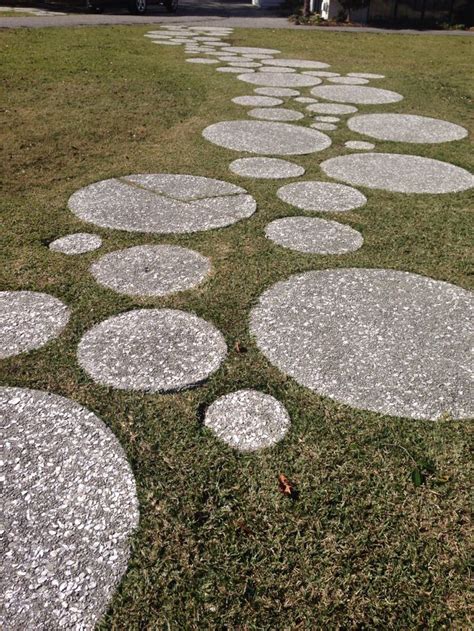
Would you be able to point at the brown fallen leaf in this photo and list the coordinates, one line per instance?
(239, 348)
(287, 487)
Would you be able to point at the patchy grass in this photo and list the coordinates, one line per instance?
(218, 546)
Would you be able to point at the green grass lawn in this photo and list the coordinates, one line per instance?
(218, 546)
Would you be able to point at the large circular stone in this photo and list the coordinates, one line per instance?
(406, 128)
(398, 173)
(382, 340)
(279, 79)
(248, 420)
(266, 137)
(78, 243)
(362, 95)
(29, 320)
(162, 203)
(275, 114)
(156, 350)
(265, 168)
(321, 196)
(151, 270)
(314, 236)
(69, 507)
(297, 63)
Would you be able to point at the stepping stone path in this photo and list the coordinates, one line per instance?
(297, 63)
(280, 70)
(277, 91)
(324, 126)
(314, 236)
(331, 108)
(275, 114)
(360, 145)
(362, 95)
(78, 243)
(406, 128)
(266, 168)
(322, 196)
(69, 508)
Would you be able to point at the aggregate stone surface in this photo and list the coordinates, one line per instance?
(266, 137)
(366, 75)
(234, 70)
(277, 91)
(78, 243)
(305, 99)
(282, 70)
(320, 73)
(245, 64)
(398, 173)
(257, 101)
(265, 168)
(321, 196)
(362, 95)
(406, 128)
(151, 270)
(249, 50)
(201, 60)
(360, 145)
(324, 126)
(162, 203)
(69, 507)
(348, 80)
(383, 340)
(248, 420)
(279, 79)
(29, 320)
(152, 350)
(312, 235)
(327, 119)
(275, 114)
(331, 108)
(297, 63)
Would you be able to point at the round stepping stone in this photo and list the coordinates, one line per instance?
(387, 341)
(275, 114)
(398, 173)
(297, 63)
(321, 196)
(324, 126)
(331, 108)
(257, 101)
(151, 270)
(248, 420)
(348, 80)
(406, 128)
(266, 137)
(78, 243)
(279, 80)
(277, 91)
(265, 168)
(29, 320)
(314, 236)
(327, 119)
(363, 95)
(201, 60)
(280, 70)
(69, 507)
(245, 64)
(359, 145)
(156, 350)
(366, 75)
(320, 73)
(305, 99)
(237, 70)
(248, 50)
(162, 203)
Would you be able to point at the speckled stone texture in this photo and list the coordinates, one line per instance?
(359, 145)
(312, 235)
(327, 119)
(363, 95)
(387, 341)
(282, 70)
(398, 173)
(201, 60)
(69, 507)
(275, 114)
(266, 137)
(279, 79)
(29, 320)
(324, 126)
(297, 63)
(248, 50)
(277, 91)
(305, 99)
(151, 270)
(265, 168)
(320, 73)
(348, 80)
(331, 108)
(257, 101)
(248, 420)
(155, 350)
(406, 128)
(78, 243)
(162, 203)
(237, 70)
(245, 64)
(321, 196)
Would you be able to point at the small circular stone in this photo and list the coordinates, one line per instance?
(363, 95)
(297, 63)
(398, 173)
(305, 99)
(321, 196)
(312, 235)
(29, 320)
(366, 75)
(245, 64)
(69, 508)
(406, 128)
(78, 243)
(201, 60)
(155, 350)
(265, 168)
(248, 420)
(275, 114)
(348, 80)
(360, 145)
(280, 70)
(324, 126)
(279, 79)
(320, 73)
(151, 270)
(277, 91)
(388, 341)
(248, 50)
(331, 108)
(237, 70)
(327, 119)
(257, 101)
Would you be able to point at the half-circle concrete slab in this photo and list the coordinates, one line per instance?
(360, 95)
(406, 128)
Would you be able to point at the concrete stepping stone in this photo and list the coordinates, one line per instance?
(266, 137)
(282, 70)
(297, 63)
(277, 91)
(331, 108)
(249, 50)
(280, 80)
(320, 73)
(312, 235)
(348, 80)
(360, 145)
(257, 101)
(201, 60)
(398, 173)
(406, 128)
(305, 99)
(234, 70)
(69, 508)
(321, 196)
(382, 340)
(275, 114)
(162, 203)
(77, 243)
(248, 420)
(360, 95)
(366, 75)
(266, 168)
(327, 119)
(154, 350)
(324, 126)
(245, 64)
(29, 320)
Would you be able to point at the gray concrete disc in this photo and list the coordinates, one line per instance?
(297, 63)
(29, 320)
(312, 235)
(358, 94)
(327, 119)
(359, 145)
(275, 114)
(266, 137)
(406, 128)
(348, 80)
(305, 99)
(324, 126)
(382, 340)
(201, 60)
(320, 73)
(265, 168)
(248, 50)
(156, 350)
(234, 70)
(244, 64)
(398, 173)
(279, 80)
(366, 75)
(162, 203)
(282, 70)
(69, 508)
(248, 420)
(331, 108)
(78, 243)
(321, 196)
(257, 101)
(277, 91)
(151, 270)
